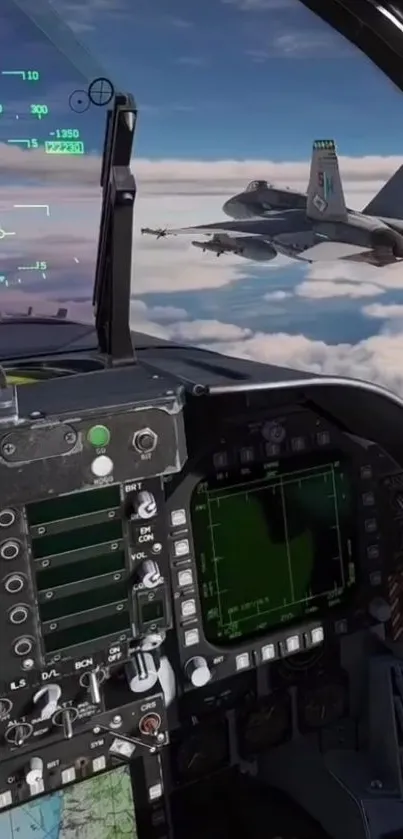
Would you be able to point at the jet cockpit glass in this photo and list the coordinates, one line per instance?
(52, 125)
(256, 185)
(273, 547)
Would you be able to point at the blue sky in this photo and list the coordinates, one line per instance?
(228, 91)
(256, 83)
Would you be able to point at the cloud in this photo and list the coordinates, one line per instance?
(203, 331)
(277, 295)
(346, 279)
(383, 311)
(362, 176)
(299, 45)
(84, 16)
(319, 290)
(376, 359)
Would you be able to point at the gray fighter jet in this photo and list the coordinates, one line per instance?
(261, 198)
(324, 228)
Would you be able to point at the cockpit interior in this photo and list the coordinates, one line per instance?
(201, 566)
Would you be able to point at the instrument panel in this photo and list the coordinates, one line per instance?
(178, 574)
(276, 534)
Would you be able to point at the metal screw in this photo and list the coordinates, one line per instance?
(28, 664)
(9, 449)
(70, 437)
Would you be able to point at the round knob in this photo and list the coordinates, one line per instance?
(7, 517)
(141, 672)
(379, 609)
(274, 432)
(198, 671)
(10, 549)
(145, 441)
(14, 583)
(34, 771)
(46, 700)
(145, 505)
(19, 614)
(23, 646)
(149, 573)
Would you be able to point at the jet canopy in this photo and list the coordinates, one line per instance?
(256, 185)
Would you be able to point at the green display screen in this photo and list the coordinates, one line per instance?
(272, 547)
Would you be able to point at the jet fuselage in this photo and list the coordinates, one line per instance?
(263, 201)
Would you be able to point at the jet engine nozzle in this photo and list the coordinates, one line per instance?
(385, 240)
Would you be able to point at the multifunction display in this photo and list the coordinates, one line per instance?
(272, 547)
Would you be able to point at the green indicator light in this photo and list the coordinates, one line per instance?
(99, 436)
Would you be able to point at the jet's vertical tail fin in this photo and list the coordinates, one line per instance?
(325, 200)
(388, 203)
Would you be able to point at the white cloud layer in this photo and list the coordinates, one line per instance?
(377, 359)
(320, 290)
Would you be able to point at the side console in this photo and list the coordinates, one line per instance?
(84, 582)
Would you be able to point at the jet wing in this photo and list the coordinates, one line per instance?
(250, 227)
(334, 251)
(325, 200)
(388, 202)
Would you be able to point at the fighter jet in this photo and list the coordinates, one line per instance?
(324, 229)
(261, 198)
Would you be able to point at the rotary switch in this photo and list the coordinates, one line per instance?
(34, 772)
(198, 671)
(145, 505)
(149, 573)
